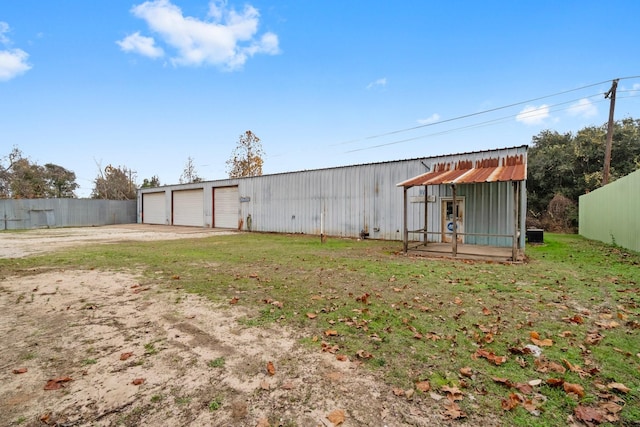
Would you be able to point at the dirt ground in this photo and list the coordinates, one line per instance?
(95, 348)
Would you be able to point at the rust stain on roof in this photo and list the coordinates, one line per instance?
(509, 168)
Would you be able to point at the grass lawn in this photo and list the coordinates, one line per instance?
(461, 329)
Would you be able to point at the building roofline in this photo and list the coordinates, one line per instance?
(345, 166)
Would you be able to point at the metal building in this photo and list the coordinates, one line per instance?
(350, 201)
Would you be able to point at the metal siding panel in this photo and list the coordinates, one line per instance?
(188, 207)
(345, 199)
(19, 214)
(226, 205)
(154, 208)
(610, 213)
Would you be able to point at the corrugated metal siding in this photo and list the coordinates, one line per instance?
(611, 214)
(474, 169)
(19, 214)
(347, 200)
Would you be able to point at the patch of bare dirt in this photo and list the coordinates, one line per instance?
(29, 242)
(95, 348)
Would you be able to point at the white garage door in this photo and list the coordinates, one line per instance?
(188, 207)
(154, 208)
(226, 204)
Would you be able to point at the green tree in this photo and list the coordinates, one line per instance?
(151, 183)
(61, 183)
(561, 167)
(7, 164)
(27, 180)
(247, 158)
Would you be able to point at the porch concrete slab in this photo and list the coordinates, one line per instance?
(465, 251)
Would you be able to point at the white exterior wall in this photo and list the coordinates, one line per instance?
(344, 201)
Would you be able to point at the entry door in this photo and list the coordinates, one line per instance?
(447, 215)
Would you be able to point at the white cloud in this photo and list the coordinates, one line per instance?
(13, 62)
(380, 82)
(431, 119)
(4, 28)
(144, 46)
(226, 39)
(531, 115)
(584, 108)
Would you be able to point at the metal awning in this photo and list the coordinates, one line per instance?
(507, 168)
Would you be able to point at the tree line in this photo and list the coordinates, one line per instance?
(21, 178)
(561, 167)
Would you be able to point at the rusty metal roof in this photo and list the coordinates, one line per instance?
(507, 168)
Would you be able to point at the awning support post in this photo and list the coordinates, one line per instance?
(516, 204)
(426, 211)
(405, 234)
(454, 236)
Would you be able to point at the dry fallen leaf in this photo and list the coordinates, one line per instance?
(125, 356)
(453, 411)
(453, 393)
(544, 365)
(398, 391)
(271, 369)
(511, 402)
(486, 311)
(138, 381)
(588, 414)
(497, 360)
(336, 417)
(20, 371)
(535, 338)
(363, 354)
(577, 319)
(555, 382)
(342, 358)
(312, 315)
(618, 387)
(423, 386)
(331, 332)
(466, 372)
(234, 300)
(56, 383)
(265, 385)
(576, 389)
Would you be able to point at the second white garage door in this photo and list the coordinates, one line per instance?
(226, 204)
(188, 207)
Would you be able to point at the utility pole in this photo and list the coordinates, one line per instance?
(607, 151)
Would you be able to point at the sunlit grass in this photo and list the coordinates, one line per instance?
(417, 318)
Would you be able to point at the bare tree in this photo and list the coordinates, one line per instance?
(189, 174)
(247, 158)
(114, 184)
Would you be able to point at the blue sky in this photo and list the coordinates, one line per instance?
(148, 84)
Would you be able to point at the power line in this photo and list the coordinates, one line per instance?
(478, 113)
(485, 123)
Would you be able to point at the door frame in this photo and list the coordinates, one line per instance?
(445, 223)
